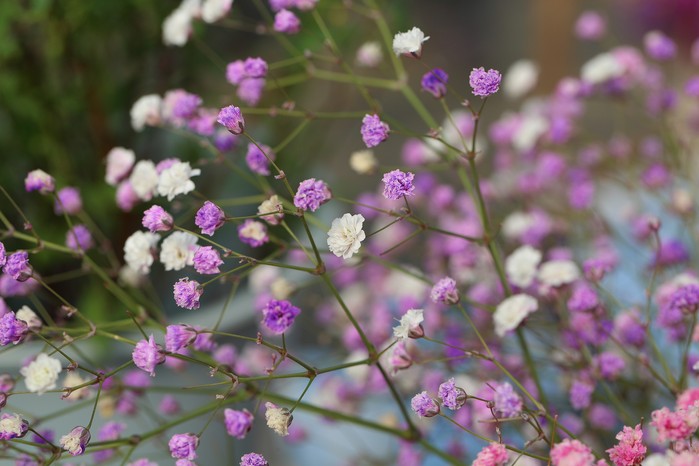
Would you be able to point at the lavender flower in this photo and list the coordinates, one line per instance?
(445, 291)
(207, 260)
(232, 119)
(659, 46)
(3, 255)
(156, 218)
(178, 337)
(398, 184)
(259, 158)
(435, 82)
(147, 354)
(253, 233)
(75, 441)
(39, 180)
(79, 238)
(685, 299)
(209, 218)
(12, 426)
(507, 402)
(590, 26)
(184, 446)
(169, 405)
(374, 131)
(17, 266)
(238, 423)
(187, 293)
(580, 394)
(185, 105)
(452, 397)
(68, 201)
(484, 83)
(255, 67)
(279, 315)
(311, 194)
(12, 329)
(253, 459)
(424, 405)
(286, 22)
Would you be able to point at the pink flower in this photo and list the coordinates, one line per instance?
(629, 451)
(494, 454)
(671, 425)
(571, 453)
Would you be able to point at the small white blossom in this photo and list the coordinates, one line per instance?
(409, 42)
(41, 374)
(177, 250)
(369, 54)
(521, 266)
(119, 163)
(176, 180)
(273, 204)
(409, 325)
(177, 27)
(131, 277)
(144, 179)
(29, 317)
(12, 426)
(346, 235)
(517, 223)
(601, 68)
(213, 10)
(138, 251)
(281, 288)
(512, 311)
(520, 78)
(146, 111)
(278, 419)
(75, 441)
(529, 131)
(558, 272)
(71, 380)
(363, 162)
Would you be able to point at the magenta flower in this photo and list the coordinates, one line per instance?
(17, 266)
(279, 315)
(79, 238)
(630, 450)
(238, 423)
(147, 354)
(253, 459)
(156, 218)
(68, 201)
(187, 293)
(232, 119)
(209, 218)
(311, 194)
(374, 131)
(184, 446)
(286, 22)
(207, 260)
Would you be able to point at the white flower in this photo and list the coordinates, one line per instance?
(213, 10)
(71, 380)
(657, 459)
(558, 272)
(409, 325)
(601, 68)
(138, 251)
(346, 235)
(529, 132)
(177, 250)
(131, 277)
(512, 311)
(29, 317)
(144, 179)
(177, 27)
(278, 419)
(146, 111)
(521, 266)
(409, 42)
(176, 180)
(281, 288)
(41, 374)
(119, 163)
(363, 162)
(254, 231)
(369, 54)
(517, 223)
(13, 424)
(520, 78)
(273, 204)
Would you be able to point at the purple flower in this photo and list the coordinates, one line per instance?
(253, 459)
(79, 238)
(68, 201)
(255, 67)
(629, 328)
(435, 82)
(584, 298)
(126, 197)
(609, 365)
(484, 83)
(178, 337)
(3, 255)
(232, 119)
(507, 402)
(185, 105)
(691, 88)
(580, 394)
(39, 180)
(147, 354)
(235, 72)
(207, 260)
(286, 22)
(187, 293)
(169, 405)
(238, 423)
(398, 184)
(374, 131)
(259, 158)
(311, 194)
(209, 218)
(110, 431)
(685, 299)
(659, 46)
(156, 218)
(12, 330)
(76, 441)
(253, 233)
(444, 291)
(184, 446)
(452, 397)
(250, 90)
(279, 315)
(424, 405)
(17, 266)
(590, 26)
(672, 252)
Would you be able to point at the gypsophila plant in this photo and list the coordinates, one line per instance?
(521, 288)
